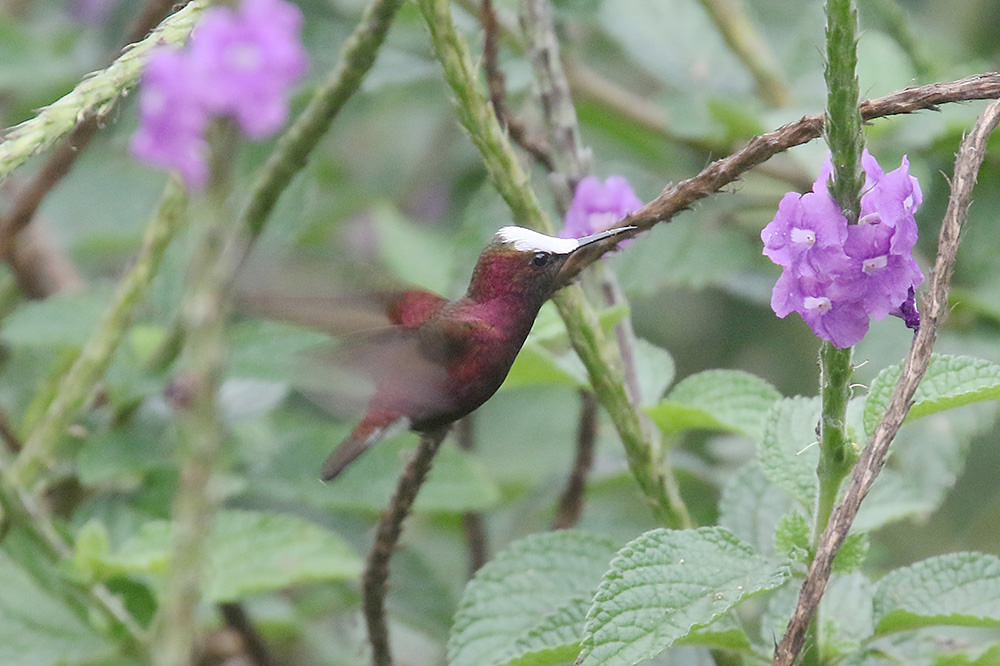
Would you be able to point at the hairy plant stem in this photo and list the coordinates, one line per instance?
(836, 454)
(94, 358)
(843, 135)
(96, 94)
(194, 397)
(843, 124)
(573, 162)
(585, 334)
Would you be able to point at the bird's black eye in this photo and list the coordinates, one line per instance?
(541, 259)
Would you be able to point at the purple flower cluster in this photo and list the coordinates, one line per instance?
(239, 63)
(837, 275)
(598, 206)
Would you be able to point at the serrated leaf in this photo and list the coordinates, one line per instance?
(950, 381)
(249, 553)
(37, 628)
(789, 452)
(792, 534)
(751, 507)
(852, 553)
(725, 633)
(526, 596)
(556, 639)
(666, 583)
(728, 400)
(955, 589)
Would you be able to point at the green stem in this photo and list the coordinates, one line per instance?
(836, 453)
(293, 148)
(194, 394)
(846, 141)
(843, 122)
(96, 94)
(96, 355)
(585, 334)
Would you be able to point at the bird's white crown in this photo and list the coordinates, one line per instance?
(528, 240)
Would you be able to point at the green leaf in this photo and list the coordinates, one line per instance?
(852, 553)
(457, 482)
(556, 638)
(788, 452)
(791, 537)
(64, 319)
(522, 605)
(249, 553)
(416, 255)
(950, 381)
(956, 589)
(728, 400)
(655, 368)
(846, 613)
(38, 629)
(666, 583)
(725, 633)
(751, 507)
(535, 365)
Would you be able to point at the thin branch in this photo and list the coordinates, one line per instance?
(253, 643)
(970, 157)
(496, 83)
(472, 521)
(373, 581)
(571, 500)
(759, 149)
(8, 435)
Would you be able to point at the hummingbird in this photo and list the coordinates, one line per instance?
(437, 360)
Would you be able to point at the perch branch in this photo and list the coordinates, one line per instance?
(373, 581)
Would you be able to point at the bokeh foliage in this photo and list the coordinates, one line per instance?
(397, 193)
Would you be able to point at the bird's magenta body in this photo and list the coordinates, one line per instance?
(445, 358)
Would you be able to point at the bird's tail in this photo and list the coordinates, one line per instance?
(360, 440)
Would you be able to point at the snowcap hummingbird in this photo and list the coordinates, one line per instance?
(438, 360)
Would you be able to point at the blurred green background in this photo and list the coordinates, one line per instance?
(398, 191)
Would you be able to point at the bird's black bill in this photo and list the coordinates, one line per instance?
(601, 235)
(590, 249)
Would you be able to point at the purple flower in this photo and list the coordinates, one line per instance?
(598, 206)
(246, 60)
(239, 63)
(837, 275)
(172, 120)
